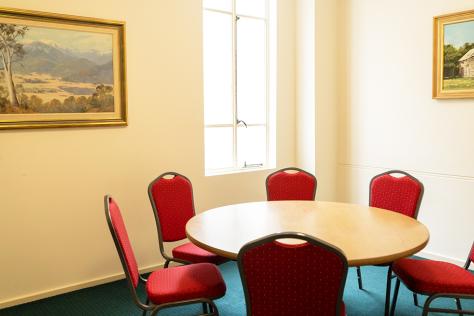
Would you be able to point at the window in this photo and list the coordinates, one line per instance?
(237, 59)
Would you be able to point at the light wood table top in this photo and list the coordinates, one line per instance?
(366, 235)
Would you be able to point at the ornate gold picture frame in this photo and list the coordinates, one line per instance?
(453, 56)
(61, 71)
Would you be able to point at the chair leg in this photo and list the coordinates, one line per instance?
(145, 312)
(204, 308)
(167, 263)
(415, 299)
(359, 278)
(458, 305)
(389, 288)
(213, 309)
(395, 296)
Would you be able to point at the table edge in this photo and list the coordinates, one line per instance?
(352, 263)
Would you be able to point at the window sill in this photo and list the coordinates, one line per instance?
(221, 172)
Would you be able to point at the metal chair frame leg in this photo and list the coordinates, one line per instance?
(359, 278)
(415, 299)
(212, 306)
(395, 296)
(389, 288)
(145, 312)
(458, 305)
(427, 309)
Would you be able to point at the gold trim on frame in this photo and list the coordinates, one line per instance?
(119, 116)
(438, 53)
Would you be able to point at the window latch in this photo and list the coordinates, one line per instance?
(241, 122)
(252, 165)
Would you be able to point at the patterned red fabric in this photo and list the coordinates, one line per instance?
(200, 280)
(290, 186)
(302, 280)
(395, 194)
(174, 203)
(122, 236)
(429, 276)
(192, 253)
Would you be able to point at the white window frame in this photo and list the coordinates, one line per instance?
(269, 161)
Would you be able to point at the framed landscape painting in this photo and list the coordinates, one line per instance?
(61, 71)
(453, 56)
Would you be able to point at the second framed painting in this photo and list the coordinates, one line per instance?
(61, 71)
(453, 56)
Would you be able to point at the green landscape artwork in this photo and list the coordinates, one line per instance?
(458, 66)
(51, 70)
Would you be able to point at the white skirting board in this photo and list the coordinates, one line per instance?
(69, 288)
(435, 256)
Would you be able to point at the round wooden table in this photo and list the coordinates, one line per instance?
(367, 235)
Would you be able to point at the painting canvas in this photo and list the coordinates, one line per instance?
(453, 67)
(60, 71)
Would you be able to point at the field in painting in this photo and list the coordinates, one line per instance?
(49, 70)
(458, 84)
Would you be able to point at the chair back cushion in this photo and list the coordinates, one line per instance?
(282, 279)
(172, 201)
(284, 185)
(402, 195)
(120, 235)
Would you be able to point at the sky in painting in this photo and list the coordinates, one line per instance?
(74, 40)
(457, 34)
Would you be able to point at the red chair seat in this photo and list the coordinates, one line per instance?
(185, 283)
(429, 276)
(192, 253)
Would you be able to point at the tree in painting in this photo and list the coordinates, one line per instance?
(452, 57)
(11, 51)
(44, 71)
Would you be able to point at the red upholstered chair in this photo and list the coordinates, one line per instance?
(171, 196)
(436, 279)
(188, 284)
(282, 279)
(398, 194)
(291, 184)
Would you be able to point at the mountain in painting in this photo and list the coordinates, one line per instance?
(87, 67)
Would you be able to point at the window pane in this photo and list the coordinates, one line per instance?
(251, 148)
(251, 70)
(225, 5)
(251, 7)
(218, 147)
(217, 52)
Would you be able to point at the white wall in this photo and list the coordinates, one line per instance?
(53, 233)
(317, 98)
(305, 85)
(388, 119)
(327, 90)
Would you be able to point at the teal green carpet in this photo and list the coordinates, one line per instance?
(114, 299)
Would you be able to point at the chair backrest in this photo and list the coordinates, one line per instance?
(122, 243)
(470, 259)
(398, 194)
(283, 279)
(171, 196)
(291, 184)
